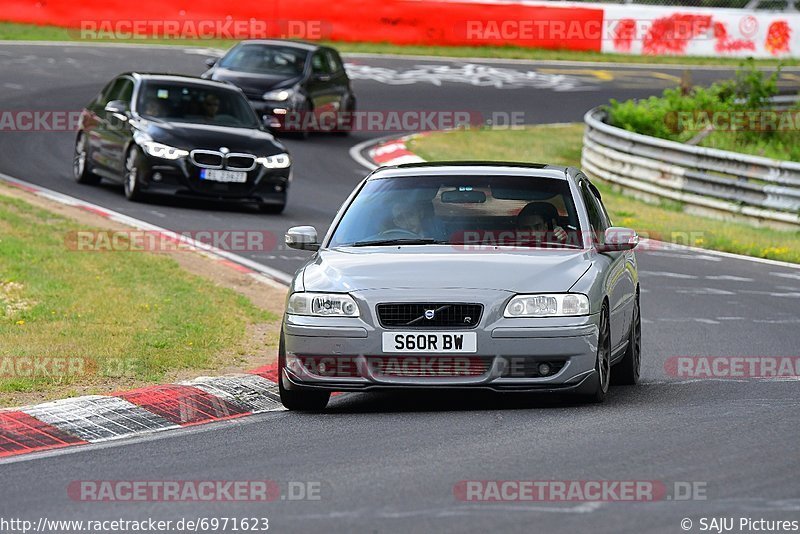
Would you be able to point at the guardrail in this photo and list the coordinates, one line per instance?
(707, 181)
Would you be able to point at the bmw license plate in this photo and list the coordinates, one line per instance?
(215, 175)
(430, 342)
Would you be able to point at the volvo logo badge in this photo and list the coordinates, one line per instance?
(224, 149)
(429, 314)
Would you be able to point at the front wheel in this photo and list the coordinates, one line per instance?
(298, 400)
(628, 370)
(134, 169)
(602, 374)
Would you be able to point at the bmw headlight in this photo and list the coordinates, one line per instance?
(159, 150)
(278, 161)
(548, 305)
(278, 95)
(322, 305)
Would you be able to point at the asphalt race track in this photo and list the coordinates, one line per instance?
(389, 462)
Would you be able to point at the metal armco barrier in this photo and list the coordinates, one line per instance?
(707, 181)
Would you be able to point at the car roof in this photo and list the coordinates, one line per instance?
(147, 76)
(302, 45)
(472, 168)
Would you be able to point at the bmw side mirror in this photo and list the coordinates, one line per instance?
(617, 239)
(302, 238)
(211, 61)
(118, 108)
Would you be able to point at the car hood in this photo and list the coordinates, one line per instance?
(441, 267)
(190, 136)
(254, 83)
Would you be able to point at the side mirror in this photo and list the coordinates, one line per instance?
(118, 107)
(302, 238)
(211, 61)
(617, 239)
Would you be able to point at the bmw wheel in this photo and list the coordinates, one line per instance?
(133, 174)
(81, 169)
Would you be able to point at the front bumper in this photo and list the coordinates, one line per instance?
(509, 352)
(181, 178)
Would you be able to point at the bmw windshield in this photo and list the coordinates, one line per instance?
(201, 104)
(457, 210)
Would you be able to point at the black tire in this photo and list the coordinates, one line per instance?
(298, 400)
(627, 371)
(345, 125)
(303, 110)
(602, 376)
(134, 167)
(81, 163)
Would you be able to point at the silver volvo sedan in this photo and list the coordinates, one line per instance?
(501, 276)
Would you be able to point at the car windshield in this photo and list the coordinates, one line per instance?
(482, 210)
(195, 104)
(266, 59)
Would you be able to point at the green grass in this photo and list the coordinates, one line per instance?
(32, 32)
(666, 221)
(127, 317)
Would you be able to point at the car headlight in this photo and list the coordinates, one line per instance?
(278, 95)
(322, 305)
(278, 161)
(159, 150)
(548, 305)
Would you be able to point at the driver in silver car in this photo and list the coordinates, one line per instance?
(409, 216)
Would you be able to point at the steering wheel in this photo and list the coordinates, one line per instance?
(397, 233)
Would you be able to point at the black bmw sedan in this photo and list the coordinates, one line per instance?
(183, 136)
(295, 86)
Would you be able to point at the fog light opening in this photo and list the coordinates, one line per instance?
(545, 369)
(157, 177)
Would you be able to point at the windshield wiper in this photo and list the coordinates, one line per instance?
(405, 241)
(535, 244)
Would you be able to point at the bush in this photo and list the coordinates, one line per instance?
(666, 116)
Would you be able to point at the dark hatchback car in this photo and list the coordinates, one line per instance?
(293, 86)
(181, 136)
